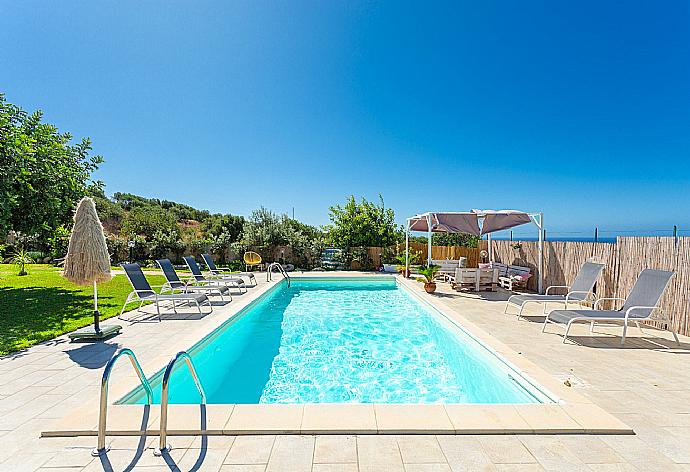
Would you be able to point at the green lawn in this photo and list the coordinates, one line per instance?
(43, 304)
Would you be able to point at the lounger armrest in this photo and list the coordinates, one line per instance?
(633, 308)
(598, 302)
(555, 286)
(574, 292)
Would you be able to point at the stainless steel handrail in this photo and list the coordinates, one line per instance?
(103, 411)
(269, 272)
(163, 446)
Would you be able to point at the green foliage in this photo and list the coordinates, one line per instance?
(59, 242)
(362, 224)
(453, 239)
(428, 273)
(21, 258)
(218, 224)
(117, 248)
(147, 221)
(42, 175)
(165, 243)
(179, 211)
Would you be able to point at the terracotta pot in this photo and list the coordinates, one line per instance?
(430, 287)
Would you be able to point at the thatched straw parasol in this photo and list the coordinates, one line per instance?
(88, 262)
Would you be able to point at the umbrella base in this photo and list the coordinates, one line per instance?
(90, 333)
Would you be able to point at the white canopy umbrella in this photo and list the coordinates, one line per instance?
(88, 262)
(477, 223)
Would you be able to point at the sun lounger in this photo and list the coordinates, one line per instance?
(174, 284)
(641, 305)
(581, 290)
(225, 271)
(235, 282)
(143, 292)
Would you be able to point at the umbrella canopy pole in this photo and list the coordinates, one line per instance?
(96, 315)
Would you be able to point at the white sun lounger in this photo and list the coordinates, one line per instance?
(641, 305)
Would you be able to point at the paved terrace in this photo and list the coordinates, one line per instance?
(645, 384)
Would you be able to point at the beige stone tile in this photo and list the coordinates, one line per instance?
(590, 449)
(26, 462)
(334, 418)
(614, 467)
(187, 419)
(548, 419)
(266, 419)
(213, 442)
(243, 468)
(505, 450)
(472, 419)
(378, 451)
(293, 453)
(250, 450)
(202, 459)
(420, 449)
(427, 468)
(519, 468)
(552, 454)
(335, 449)
(396, 419)
(638, 452)
(392, 467)
(335, 468)
(61, 469)
(465, 454)
(595, 420)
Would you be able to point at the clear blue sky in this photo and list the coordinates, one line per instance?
(580, 109)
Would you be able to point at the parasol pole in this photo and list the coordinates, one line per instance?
(96, 315)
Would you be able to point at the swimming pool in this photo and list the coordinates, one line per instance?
(344, 340)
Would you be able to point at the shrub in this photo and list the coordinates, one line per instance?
(164, 243)
(59, 242)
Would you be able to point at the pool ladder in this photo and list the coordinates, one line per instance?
(269, 272)
(163, 446)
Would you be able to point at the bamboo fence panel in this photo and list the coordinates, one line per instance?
(563, 260)
(680, 305)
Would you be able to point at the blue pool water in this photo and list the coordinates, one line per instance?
(343, 340)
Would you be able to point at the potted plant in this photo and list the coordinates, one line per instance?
(428, 274)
